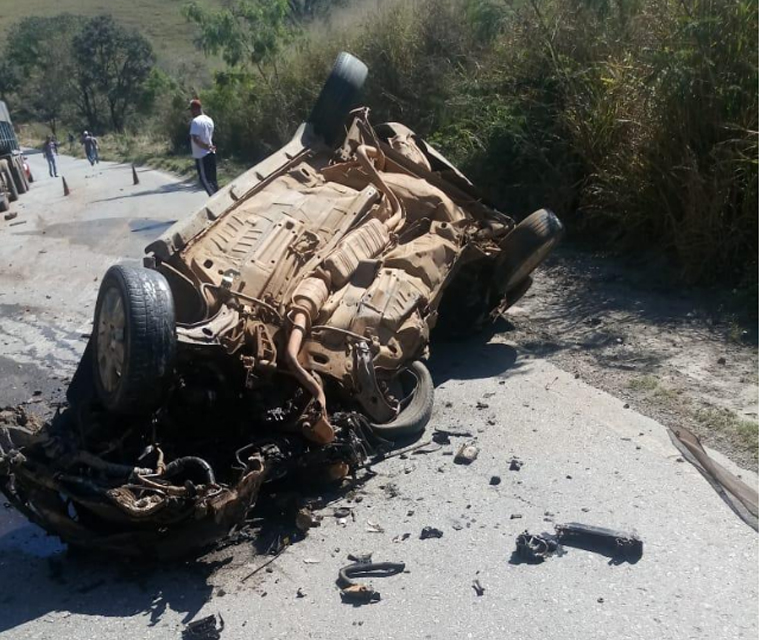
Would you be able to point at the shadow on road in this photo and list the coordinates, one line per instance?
(101, 233)
(42, 578)
(173, 187)
(472, 358)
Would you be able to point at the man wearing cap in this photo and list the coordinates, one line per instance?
(204, 151)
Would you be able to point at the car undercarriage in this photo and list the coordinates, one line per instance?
(281, 331)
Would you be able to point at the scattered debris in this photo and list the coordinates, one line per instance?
(300, 593)
(440, 437)
(618, 545)
(481, 405)
(358, 594)
(430, 532)
(15, 224)
(391, 490)
(479, 588)
(721, 360)
(311, 561)
(305, 519)
(515, 464)
(534, 549)
(453, 433)
(419, 451)
(10, 215)
(515, 516)
(373, 527)
(266, 564)
(495, 480)
(363, 558)
(342, 512)
(467, 454)
(204, 629)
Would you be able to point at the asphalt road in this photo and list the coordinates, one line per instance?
(586, 459)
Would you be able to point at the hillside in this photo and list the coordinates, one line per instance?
(160, 21)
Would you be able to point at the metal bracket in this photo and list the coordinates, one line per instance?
(368, 394)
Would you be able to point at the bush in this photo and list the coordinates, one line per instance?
(635, 119)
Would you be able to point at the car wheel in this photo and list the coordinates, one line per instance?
(337, 97)
(10, 185)
(4, 202)
(134, 339)
(531, 241)
(416, 412)
(17, 171)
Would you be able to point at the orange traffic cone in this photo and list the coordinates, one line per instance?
(65, 187)
(135, 179)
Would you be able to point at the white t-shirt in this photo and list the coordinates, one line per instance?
(203, 127)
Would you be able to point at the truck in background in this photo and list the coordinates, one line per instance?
(14, 178)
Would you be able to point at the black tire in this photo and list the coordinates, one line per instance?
(10, 185)
(531, 241)
(17, 171)
(148, 340)
(4, 202)
(338, 96)
(413, 418)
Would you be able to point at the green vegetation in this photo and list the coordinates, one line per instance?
(93, 71)
(744, 433)
(644, 383)
(636, 120)
(159, 20)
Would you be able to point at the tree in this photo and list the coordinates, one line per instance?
(113, 68)
(38, 67)
(244, 31)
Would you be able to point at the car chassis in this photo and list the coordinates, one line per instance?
(279, 331)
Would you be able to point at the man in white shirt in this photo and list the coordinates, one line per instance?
(204, 151)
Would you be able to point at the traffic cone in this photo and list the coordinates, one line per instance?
(65, 187)
(135, 179)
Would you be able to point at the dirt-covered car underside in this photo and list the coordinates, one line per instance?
(279, 331)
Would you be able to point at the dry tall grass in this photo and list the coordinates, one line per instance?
(635, 119)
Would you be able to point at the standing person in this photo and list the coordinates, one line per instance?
(90, 143)
(50, 151)
(204, 151)
(71, 142)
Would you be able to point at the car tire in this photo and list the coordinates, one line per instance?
(413, 418)
(4, 202)
(10, 185)
(17, 171)
(531, 241)
(134, 339)
(338, 96)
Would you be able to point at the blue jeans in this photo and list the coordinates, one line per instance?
(51, 166)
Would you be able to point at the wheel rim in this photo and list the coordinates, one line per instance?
(111, 339)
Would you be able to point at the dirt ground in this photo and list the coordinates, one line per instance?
(685, 357)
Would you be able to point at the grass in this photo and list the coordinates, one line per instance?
(159, 20)
(147, 150)
(155, 152)
(635, 120)
(720, 423)
(643, 384)
(743, 433)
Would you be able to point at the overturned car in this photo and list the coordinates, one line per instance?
(281, 330)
